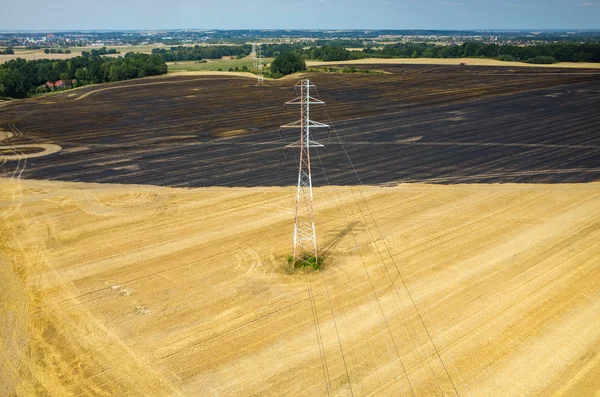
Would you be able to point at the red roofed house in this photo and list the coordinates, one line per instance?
(58, 84)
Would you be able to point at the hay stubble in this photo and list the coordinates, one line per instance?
(480, 290)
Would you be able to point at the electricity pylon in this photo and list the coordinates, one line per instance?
(258, 62)
(305, 235)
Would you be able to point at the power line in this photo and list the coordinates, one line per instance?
(374, 293)
(389, 253)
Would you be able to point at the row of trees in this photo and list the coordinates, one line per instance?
(197, 52)
(328, 53)
(94, 52)
(541, 53)
(349, 43)
(274, 50)
(56, 51)
(7, 51)
(102, 51)
(20, 78)
(566, 52)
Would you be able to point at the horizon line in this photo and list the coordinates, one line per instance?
(304, 30)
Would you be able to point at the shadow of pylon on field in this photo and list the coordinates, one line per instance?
(338, 236)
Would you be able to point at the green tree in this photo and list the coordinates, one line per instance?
(14, 84)
(428, 53)
(288, 63)
(328, 53)
(3, 73)
(82, 76)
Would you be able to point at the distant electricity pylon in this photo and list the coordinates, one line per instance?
(258, 62)
(305, 236)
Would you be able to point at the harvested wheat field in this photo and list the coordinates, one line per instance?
(471, 290)
(434, 124)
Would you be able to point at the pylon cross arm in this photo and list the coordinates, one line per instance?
(309, 100)
(311, 124)
(310, 144)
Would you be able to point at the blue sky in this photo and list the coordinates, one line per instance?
(307, 14)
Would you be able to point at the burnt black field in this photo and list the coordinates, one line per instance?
(434, 124)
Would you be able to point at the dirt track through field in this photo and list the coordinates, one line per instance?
(471, 290)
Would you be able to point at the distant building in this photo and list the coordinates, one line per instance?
(58, 84)
(55, 85)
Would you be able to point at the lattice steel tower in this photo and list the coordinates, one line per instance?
(258, 63)
(305, 236)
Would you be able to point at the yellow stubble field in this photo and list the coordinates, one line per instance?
(471, 290)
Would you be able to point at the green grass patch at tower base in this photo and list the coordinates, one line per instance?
(306, 260)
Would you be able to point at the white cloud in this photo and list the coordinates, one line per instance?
(589, 4)
(452, 3)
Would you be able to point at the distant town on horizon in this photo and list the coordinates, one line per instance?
(362, 37)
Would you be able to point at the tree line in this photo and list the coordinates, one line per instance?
(103, 51)
(540, 53)
(350, 43)
(563, 52)
(56, 51)
(20, 78)
(329, 53)
(197, 52)
(274, 50)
